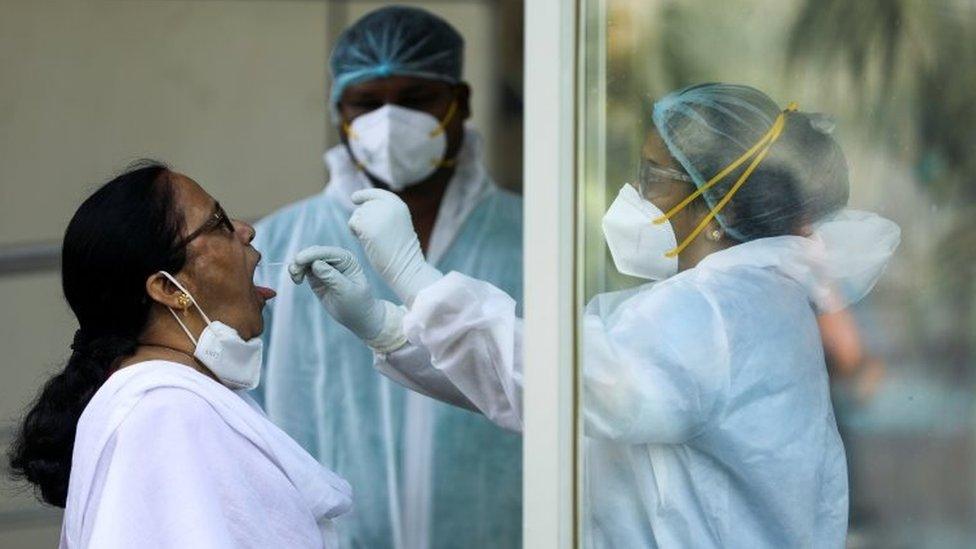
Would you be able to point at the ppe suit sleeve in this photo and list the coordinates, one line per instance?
(410, 367)
(654, 371)
(464, 340)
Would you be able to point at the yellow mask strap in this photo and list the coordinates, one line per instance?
(347, 128)
(441, 126)
(446, 163)
(758, 151)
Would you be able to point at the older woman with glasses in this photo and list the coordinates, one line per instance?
(147, 438)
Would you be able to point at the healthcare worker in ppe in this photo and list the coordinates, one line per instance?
(708, 419)
(426, 474)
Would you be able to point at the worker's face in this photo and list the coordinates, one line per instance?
(420, 94)
(666, 193)
(220, 263)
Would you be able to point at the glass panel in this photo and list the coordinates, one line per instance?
(754, 398)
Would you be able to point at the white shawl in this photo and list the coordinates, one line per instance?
(167, 457)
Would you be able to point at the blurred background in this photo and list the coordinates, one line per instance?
(230, 92)
(898, 76)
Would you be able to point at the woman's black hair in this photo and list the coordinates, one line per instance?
(122, 234)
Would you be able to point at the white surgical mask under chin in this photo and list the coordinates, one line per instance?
(636, 243)
(399, 146)
(234, 361)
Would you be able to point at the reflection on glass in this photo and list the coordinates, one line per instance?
(728, 314)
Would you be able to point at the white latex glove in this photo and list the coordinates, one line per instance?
(382, 224)
(338, 281)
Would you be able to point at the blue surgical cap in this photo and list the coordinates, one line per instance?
(804, 177)
(396, 41)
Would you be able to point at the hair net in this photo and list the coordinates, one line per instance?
(803, 178)
(396, 40)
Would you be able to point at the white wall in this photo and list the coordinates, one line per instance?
(230, 92)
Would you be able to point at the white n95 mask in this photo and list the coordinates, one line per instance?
(399, 146)
(636, 243)
(235, 362)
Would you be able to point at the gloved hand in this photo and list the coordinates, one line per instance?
(338, 281)
(382, 224)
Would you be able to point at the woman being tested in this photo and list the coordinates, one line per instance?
(708, 419)
(147, 438)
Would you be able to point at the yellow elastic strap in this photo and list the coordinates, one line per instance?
(761, 147)
(352, 135)
(446, 163)
(447, 119)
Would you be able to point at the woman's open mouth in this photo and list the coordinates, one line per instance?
(264, 292)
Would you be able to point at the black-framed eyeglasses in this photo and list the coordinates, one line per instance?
(216, 220)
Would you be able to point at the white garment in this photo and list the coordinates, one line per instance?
(164, 456)
(706, 406)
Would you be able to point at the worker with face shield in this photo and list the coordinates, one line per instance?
(399, 105)
(706, 408)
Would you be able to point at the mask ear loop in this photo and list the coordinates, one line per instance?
(347, 128)
(441, 128)
(442, 125)
(192, 300)
(350, 134)
(761, 147)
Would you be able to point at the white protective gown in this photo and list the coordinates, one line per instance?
(707, 413)
(166, 457)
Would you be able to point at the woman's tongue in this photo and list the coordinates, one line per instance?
(265, 293)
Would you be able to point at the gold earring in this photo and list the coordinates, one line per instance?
(715, 235)
(183, 300)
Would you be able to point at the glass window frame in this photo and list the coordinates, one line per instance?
(550, 448)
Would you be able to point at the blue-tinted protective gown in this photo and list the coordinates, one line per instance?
(424, 474)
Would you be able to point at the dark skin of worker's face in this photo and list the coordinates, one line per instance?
(421, 94)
